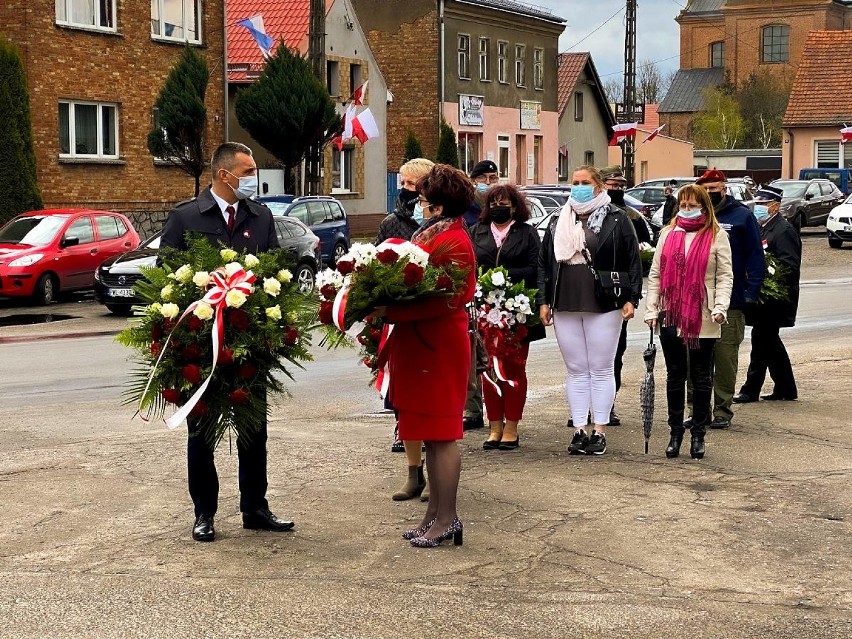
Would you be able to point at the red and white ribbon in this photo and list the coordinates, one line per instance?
(217, 290)
(501, 374)
(383, 378)
(338, 309)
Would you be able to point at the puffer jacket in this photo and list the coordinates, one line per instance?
(399, 224)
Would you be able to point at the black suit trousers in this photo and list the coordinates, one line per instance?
(769, 354)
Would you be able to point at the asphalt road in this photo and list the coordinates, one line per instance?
(753, 541)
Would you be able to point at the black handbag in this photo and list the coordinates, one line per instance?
(610, 286)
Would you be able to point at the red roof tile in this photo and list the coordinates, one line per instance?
(822, 93)
(570, 66)
(652, 117)
(287, 19)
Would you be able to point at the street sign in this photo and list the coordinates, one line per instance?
(622, 118)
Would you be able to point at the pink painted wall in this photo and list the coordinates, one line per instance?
(799, 150)
(665, 157)
(506, 121)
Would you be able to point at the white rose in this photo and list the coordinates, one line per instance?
(203, 311)
(493, 316)
(166, 292)
(521, 317)
(169, 311)
(251, 261)
(184, 274)
(201, 279)
(285, 276)
(155, 307)
(229, 255)
(498, 279)
(272, 287)
(274, 312)
(235, 298)
(233, 267)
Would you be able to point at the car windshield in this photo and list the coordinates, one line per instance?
(33, 230)
(278, 208)
(792, 189)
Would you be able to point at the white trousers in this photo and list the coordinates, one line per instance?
(588, 342)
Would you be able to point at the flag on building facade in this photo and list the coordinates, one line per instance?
(654, 134)
(258, 32)
(360, 95)
(364, 126)
(846, 134)
(621, 132)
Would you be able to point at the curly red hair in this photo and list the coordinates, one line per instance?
(448, 187)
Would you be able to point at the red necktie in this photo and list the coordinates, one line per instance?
(230, 211)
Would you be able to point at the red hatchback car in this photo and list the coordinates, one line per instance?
(45, 252)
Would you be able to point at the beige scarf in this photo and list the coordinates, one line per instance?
(569, 238)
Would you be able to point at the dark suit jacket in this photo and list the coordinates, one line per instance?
(254, 228)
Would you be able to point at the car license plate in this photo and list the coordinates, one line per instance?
(121, 292)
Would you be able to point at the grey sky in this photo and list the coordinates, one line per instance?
(657, 33)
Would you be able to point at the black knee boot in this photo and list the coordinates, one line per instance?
(696, 448)
(673, 449)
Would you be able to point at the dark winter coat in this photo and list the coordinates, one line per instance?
(669, 209)
(518, 255)
(399, 224)
(746, 249)
(254, 228)
(782, 240)
(618, 250)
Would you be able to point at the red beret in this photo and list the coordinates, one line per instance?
(711, 175)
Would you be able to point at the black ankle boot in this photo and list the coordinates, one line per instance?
(673, 449)
(696, 448)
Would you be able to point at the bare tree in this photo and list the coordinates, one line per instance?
(613, 88)
(651, 83)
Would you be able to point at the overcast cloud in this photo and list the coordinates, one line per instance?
(657, 33)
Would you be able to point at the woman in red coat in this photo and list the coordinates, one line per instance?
(430, 354)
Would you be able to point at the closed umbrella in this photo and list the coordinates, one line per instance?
(646, 391)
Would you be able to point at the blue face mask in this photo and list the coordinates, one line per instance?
(481, 187)
(417, 216)
(582, 193)
(690, 215)
(761, 212)
(247, 187)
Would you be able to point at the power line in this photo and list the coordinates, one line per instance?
(598, 28)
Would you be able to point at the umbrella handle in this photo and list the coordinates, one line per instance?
(651, 341)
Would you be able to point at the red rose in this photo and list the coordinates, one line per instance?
(168, 324)
(387, 256)
(192, 352)
(369, 362)
(375, 335)
(445, 282)
(156, 347)
(238, 318)
(247, 371)
(239, 396)
(345, 267)
(291, 336)
(521, 331)
(363, 340)
(442, 259)
(156, 333)
(194, 323)
(191, 373)
(171, 395)
(226, 356)
(328, 291)
(199, 410)
(325, 312)
(412, 274)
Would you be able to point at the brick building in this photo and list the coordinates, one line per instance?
(94, 71)
(488, 67)
(729, 40)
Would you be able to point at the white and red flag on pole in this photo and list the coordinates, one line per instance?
(563, 150)
(846, 134)
(360, 94)
(654, 134)
(621, 132)
(364, 126)
(347, 122)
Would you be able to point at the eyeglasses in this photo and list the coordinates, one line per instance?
(487, 179)
(615, 186)
(424, 203)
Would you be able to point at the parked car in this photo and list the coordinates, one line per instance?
(839, 224)
(664, 182)
(842, 178)
(325, 216)
(551, 199)
(650, 197)
(808, 202)
(44, 253)
(737, 190)
(114, 279)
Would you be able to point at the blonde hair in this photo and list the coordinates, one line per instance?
(416, 168)
(703, 198)
(595, 174)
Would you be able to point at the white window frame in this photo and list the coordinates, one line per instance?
(68, 21)
(521, 65)
(503, 156)
(463, 41)
(538, 69)
(502, 61)
(347, 155)
(844, 156)
(72, 104)
(484, 60)
(188, 6)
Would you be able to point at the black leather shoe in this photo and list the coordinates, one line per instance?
(491, 444)
(265, 520)
(744, 398)
(509, 445)
(471, 423)
(203, 530)
(614, 419)
(777, 397)
(688, 423)
(720, 423)
(673, 449)
(696, 447)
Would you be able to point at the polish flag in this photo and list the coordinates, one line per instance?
(654, 134)
(364, 126)
(621, 132)
(338, 142)
(846, 134)
(359, 95)
(347, 122)
(563, 150)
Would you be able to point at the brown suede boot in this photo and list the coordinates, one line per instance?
(413, 486)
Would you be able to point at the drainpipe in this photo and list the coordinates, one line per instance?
(225, 68)
(441, 70)
(790, 166)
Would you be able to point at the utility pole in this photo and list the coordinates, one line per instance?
(316, 55)
(628, 154)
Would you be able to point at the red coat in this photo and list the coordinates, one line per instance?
(429, 358)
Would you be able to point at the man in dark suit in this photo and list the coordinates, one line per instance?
(770, 316)
(225, 216)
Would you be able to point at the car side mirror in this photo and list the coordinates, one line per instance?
(809, 196)
(65, 242)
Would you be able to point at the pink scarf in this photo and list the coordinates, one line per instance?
(682, 293)
(500, 235)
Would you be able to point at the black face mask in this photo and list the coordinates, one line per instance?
(616, 196)
(716, 197)
(408, 198)
(500, 214)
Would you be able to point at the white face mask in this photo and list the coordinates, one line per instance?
(690, 214)
(417, 216)
(247, 187)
